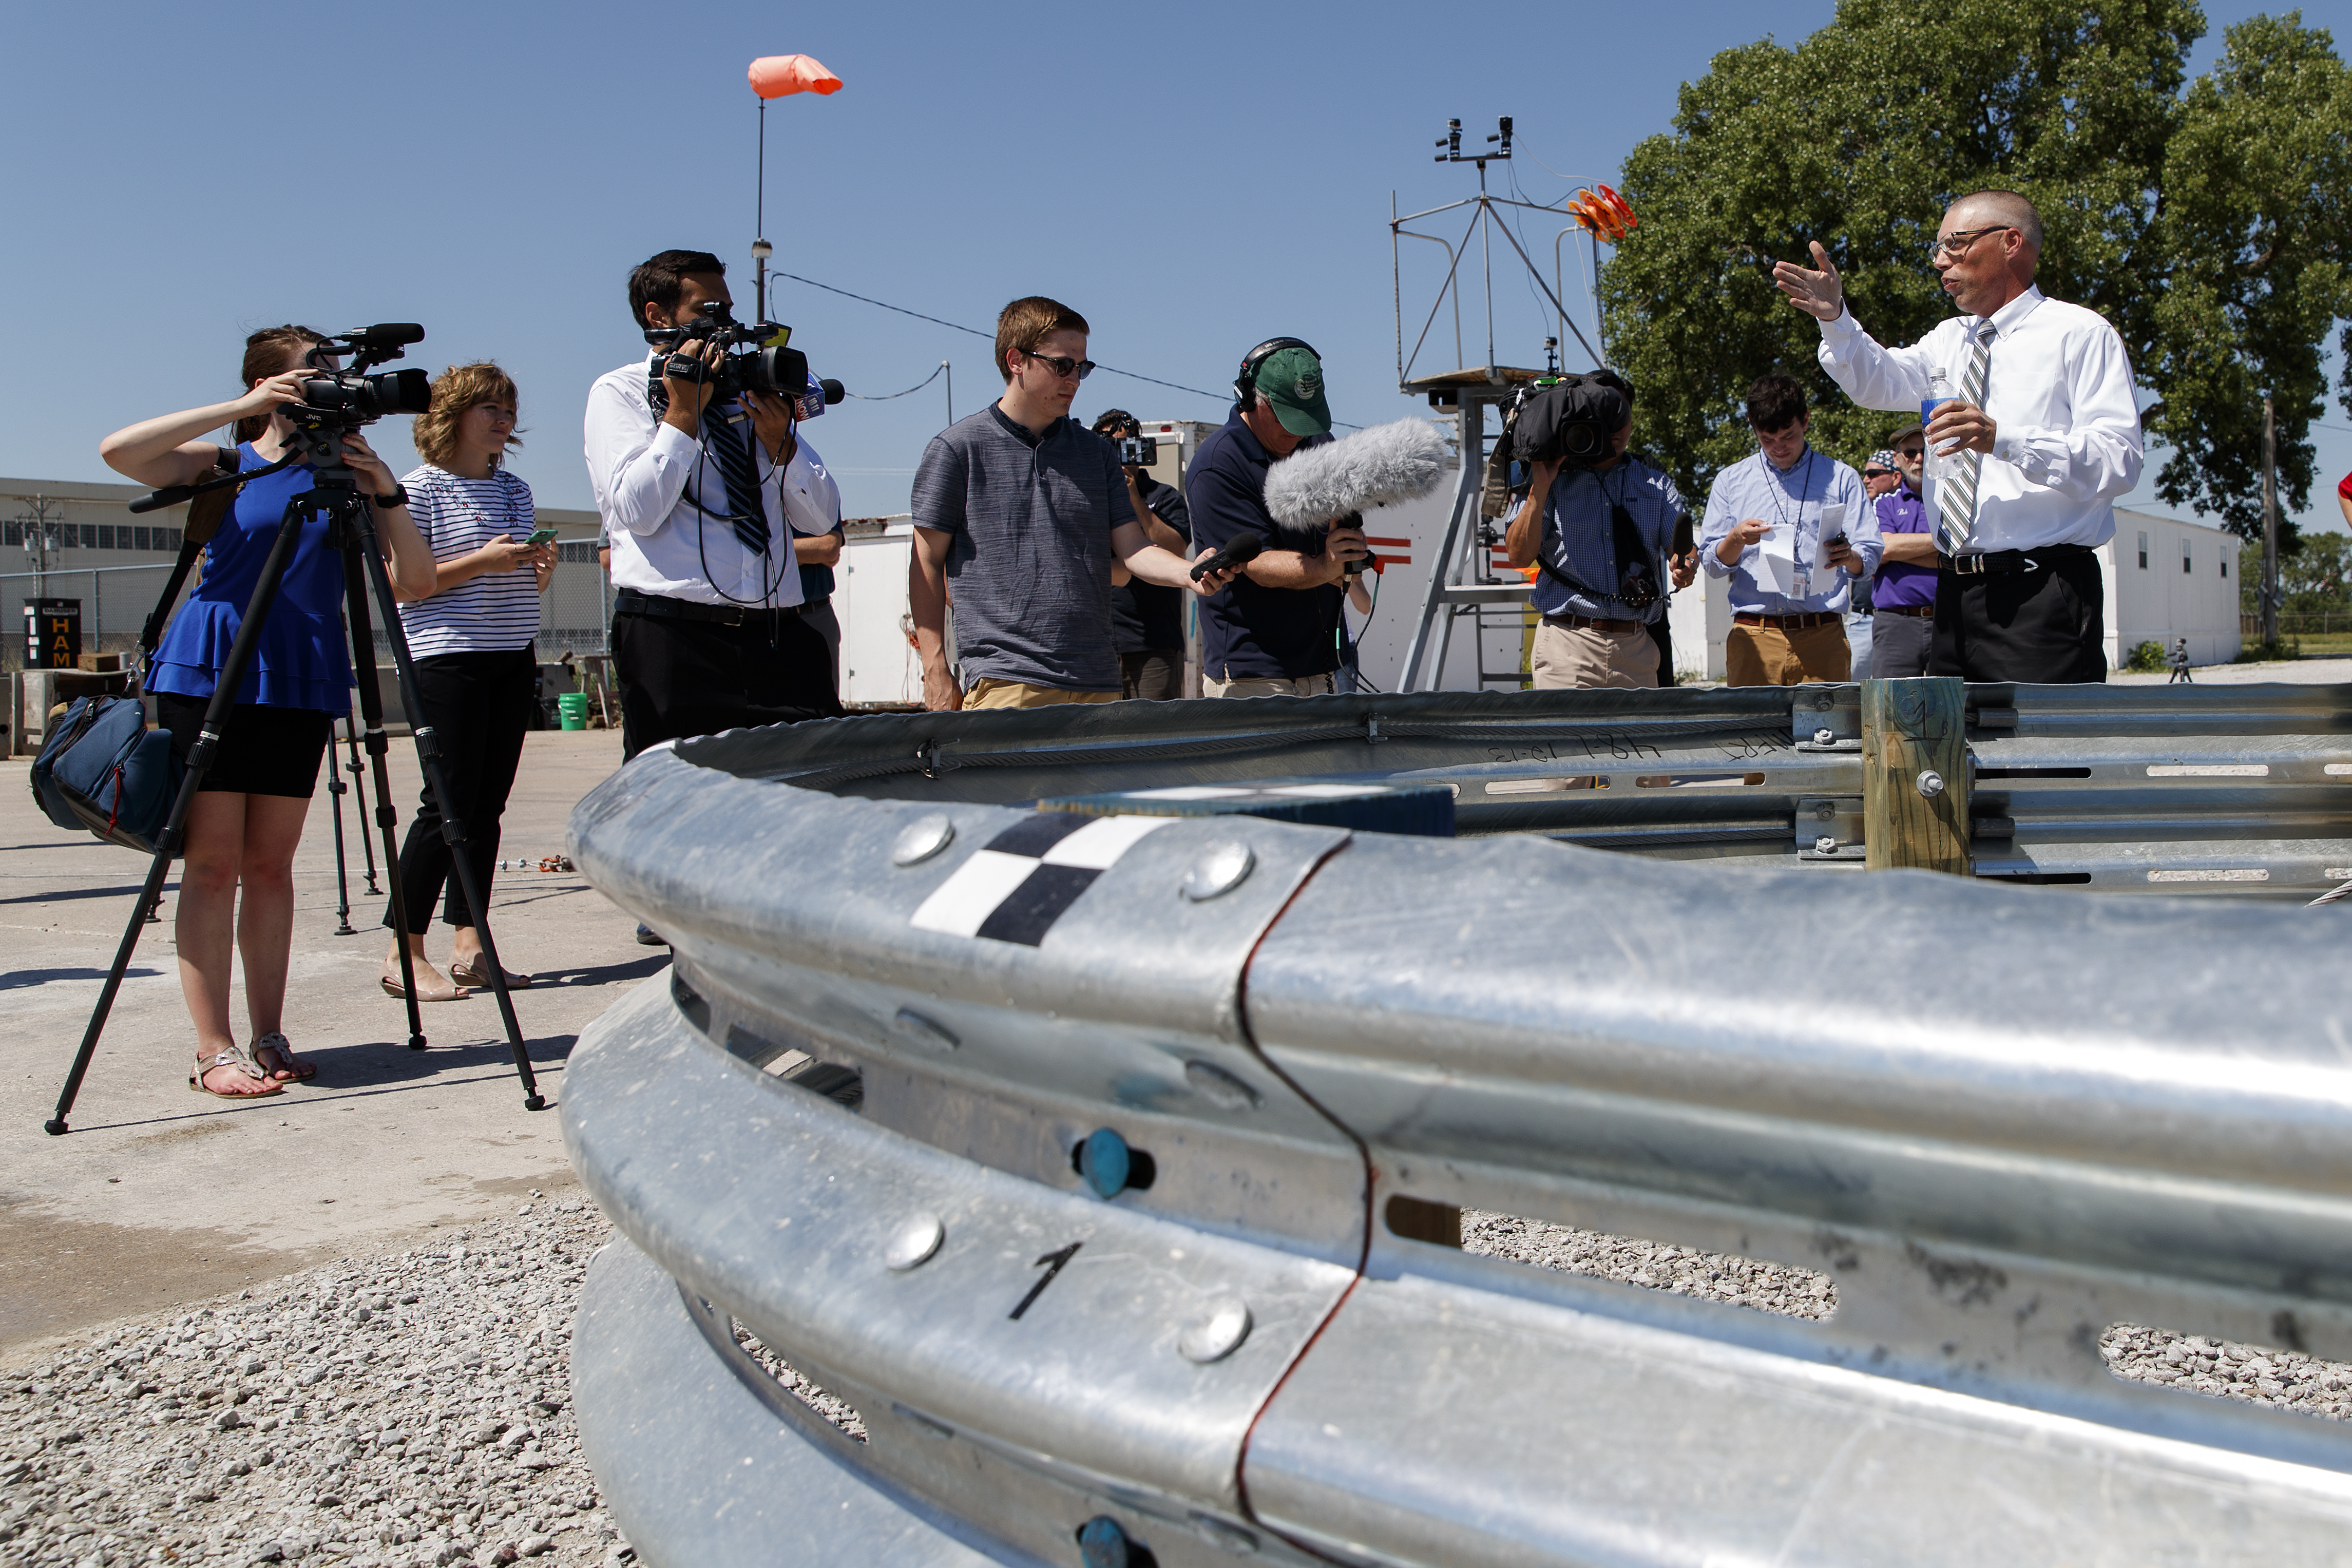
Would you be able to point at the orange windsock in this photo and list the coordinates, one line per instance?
(1625, 208)
(773, 76)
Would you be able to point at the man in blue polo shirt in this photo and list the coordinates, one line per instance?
(1274, 632)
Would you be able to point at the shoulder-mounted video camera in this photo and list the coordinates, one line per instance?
(1571, 421)
(758, 358)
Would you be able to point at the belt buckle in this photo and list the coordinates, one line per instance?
(1962, 567)
(731, 616)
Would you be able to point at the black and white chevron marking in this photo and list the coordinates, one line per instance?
(1029, 875)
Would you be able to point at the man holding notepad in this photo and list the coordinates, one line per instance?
(1792, 530)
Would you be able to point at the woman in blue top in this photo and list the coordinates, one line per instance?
(248, 817)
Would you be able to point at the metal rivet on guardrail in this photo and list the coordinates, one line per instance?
(912, 1023)
(1220, 870)
(1216, 1333)
(1219, 1088)
(1931, 783)
(1102, 1543)
(922, 838)
(914, 1243)
(1103, 1163)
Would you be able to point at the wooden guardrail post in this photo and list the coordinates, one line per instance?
(1914, 774)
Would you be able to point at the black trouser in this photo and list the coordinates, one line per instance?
(1152, 675)
(1901, 646)
(1663, 636)
(683, 677)
(479, 706)
(2047, 625)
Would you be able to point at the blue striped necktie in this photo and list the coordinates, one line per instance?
(748, 506)
(1956, 497)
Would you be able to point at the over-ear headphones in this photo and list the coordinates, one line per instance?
(1245, 384)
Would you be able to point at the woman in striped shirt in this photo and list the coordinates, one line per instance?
(475, 670)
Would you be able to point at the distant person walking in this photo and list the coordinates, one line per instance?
(471, 638)
(2181, 664)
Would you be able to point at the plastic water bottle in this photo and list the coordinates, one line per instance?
(1933, 469)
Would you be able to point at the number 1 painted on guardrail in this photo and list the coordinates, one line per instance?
(1058, 1260)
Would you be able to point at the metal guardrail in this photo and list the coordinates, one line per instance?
(2000, 1123)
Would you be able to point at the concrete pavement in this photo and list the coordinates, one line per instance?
(161, 1195)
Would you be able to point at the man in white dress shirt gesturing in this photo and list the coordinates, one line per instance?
(2040, 435)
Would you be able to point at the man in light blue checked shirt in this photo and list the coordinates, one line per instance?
(1566, 527)
(1791, 578)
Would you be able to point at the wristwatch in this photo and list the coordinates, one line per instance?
(399, 496)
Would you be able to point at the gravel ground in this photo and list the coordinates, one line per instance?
(2255, 1373)
(396, 1410)
(411, 1408)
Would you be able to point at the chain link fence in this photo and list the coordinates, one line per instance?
(574, 613)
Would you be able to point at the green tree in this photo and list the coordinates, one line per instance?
(2207, 222)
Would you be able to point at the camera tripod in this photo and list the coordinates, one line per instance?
(352, 530)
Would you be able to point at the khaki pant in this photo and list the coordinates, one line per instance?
(1269, 686)
(1567, 657)
(987, 693)
(1766, 656)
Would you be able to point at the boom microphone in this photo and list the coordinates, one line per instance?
(1240, 550)
(1379, 467)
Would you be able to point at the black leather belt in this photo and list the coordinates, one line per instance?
(628, 600)
(2002, 562)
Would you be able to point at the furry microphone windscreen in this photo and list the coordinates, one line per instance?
(1379, 467)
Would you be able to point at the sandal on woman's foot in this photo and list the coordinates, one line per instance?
(240, 1068)
(287, 1066)
(393, 987)
(475, 972)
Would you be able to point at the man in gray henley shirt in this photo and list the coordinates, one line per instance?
(1019, 512)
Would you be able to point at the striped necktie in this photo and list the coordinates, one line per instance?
(747, 506)
(1956, 497)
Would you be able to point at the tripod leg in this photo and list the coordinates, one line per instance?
(200, 762)
(359, 801)
(453, 830)
(335, 787)
(355, 606)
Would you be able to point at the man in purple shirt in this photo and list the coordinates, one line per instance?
(1903, 598)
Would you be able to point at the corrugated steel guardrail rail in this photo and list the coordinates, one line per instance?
(2001, 1121)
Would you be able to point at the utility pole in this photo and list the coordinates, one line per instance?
(2269, 530)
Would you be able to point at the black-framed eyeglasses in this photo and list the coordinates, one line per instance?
(1954, 244)
(1912, 454)
(1066, 368)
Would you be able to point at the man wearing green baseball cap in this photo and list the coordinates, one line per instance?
(1276, 630)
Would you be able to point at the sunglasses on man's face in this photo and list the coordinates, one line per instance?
(1877, 473)
(1912, 454)
(1066, 368)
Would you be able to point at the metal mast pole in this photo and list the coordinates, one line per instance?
(2270, 529)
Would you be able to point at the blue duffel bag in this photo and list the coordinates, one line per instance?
(104, 770)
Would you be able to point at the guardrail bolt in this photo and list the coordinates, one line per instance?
(1824, 736)
(1103, 1164)
(914, 1242)
(922, 838)
(1931, 783)
(1224, 868)
(1825, 812)
(1216, 1333)
(1826, 845)
(1102, 1543)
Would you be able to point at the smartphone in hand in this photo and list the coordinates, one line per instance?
(543, 534)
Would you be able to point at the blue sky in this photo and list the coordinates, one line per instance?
(1192, 181)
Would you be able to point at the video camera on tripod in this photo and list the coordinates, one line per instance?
(758, 358)
(335, 403)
